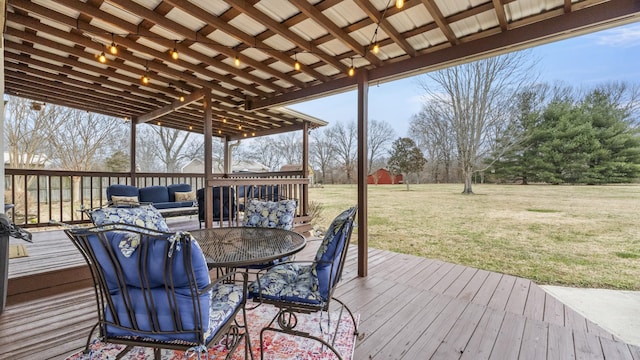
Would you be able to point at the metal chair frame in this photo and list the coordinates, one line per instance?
(286, 317)
(231, 330)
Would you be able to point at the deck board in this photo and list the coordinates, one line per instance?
(410, 308)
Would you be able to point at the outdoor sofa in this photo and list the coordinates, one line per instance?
(171, 200)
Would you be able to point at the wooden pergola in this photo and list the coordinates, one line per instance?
(227, 68)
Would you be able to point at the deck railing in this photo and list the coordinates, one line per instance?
(40, 196)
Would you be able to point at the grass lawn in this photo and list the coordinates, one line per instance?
(583, 236)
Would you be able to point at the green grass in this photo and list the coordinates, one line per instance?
(586, 236)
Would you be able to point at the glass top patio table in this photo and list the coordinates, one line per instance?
(230, 247)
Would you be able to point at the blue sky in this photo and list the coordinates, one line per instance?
(585, 61)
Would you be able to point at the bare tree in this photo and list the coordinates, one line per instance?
(290, 145)
(170, 146)
(346, 141)
(472, 98)
(80, 140)
(434, 135)
(265, 151)
(321, 151)
(28, 131)
(380, 136)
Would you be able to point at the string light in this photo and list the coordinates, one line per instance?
(174, 53)
(145, 78)
(296, 65)
(352, 70)
(102, 58)
(113, 48)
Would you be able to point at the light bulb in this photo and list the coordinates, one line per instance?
(174, 54)
(296, 66)
(219, 131)
(145, 79)
(181, 98)
(236, 61)
(399, 4)
(351, 71)
(113, 48)
(102, 58)
(376, 48)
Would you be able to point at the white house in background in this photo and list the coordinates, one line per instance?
(197, 166)
(298, 167)
(38, 161)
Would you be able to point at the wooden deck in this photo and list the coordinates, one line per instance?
(410, 308)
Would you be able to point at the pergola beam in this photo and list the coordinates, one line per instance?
(194, 96)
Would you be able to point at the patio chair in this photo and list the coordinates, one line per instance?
(224, 204)
(296, 287)
(153, 290)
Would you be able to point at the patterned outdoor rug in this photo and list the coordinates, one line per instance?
(277, 346)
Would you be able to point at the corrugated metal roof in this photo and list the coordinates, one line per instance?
(56, 43)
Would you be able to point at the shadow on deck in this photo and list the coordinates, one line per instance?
(410, 307)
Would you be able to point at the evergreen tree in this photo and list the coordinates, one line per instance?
(405, 158)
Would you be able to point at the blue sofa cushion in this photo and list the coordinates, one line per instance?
(173, 188)
(121, 190)
(154, 194)
(173, 205)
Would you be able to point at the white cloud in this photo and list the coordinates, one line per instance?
(624, 37)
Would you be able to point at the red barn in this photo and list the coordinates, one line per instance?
(383, 176)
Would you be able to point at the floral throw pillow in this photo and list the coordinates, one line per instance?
(145, 216)
(270, 214)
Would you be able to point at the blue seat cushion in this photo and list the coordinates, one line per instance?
(173, 205)
(289, 282)
(144, 215)
(270, 214)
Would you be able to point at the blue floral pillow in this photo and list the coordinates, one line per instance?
(145, 216)
(270, 214)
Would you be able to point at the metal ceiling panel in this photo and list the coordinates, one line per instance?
(58, 44)
(278, 10)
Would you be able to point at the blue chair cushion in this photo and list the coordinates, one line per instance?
(270, 214)
(225, 299)
(154, 270)
(145, 216)
(325, 265)
(289, 282)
